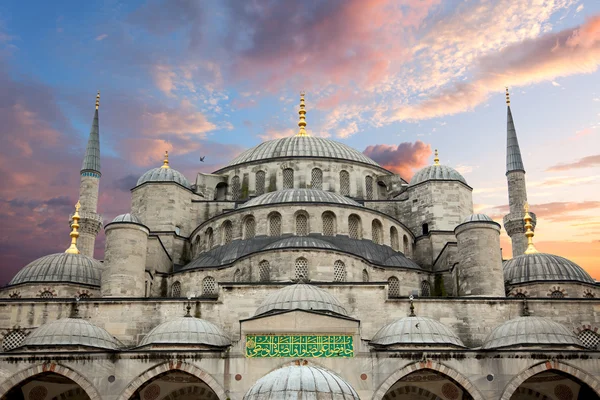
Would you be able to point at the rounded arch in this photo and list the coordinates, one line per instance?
(226, 232)
(518, 380)
(249, 227)
(431, 365)
(302, 223)
(274, 228)
(173, 366)
(30, 372)
(329, 223)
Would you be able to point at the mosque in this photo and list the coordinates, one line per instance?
(301, 270)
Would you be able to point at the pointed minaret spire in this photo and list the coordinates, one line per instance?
(514, 162)
(91, 161)
(302, 114)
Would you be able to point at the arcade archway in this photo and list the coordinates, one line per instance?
(427, 384)
(554, 384)
(174, 385)
(47, 385)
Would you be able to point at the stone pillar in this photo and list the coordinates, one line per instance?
(124, 260)
(513, 221)
(480, 259)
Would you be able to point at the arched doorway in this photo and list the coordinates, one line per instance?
(427, 384)
(553, 384)
(174, 385)
(47, 385)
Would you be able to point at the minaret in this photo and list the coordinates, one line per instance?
(90, 222)
(517, 190)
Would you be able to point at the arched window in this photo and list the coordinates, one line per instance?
(46, 294)
(394, 238)
(275, 224)
(12, 340)
(405, 245)
(344, 183)
(237, 276)
(377, 231)
(365, 275)
(316, 181)
(221, 191)
(288, 178)
(588, 295)
(209, 239)
(84, 295)
(520, 295)
(393, 287)
(301, 225)
(249, 227)
(425, 289)
(329, 227)
(354, 227)
(196, 248)
(227, 228)
(369, 187)
(235, 188)
(264, 271)
(301, 269)
(339, 271)
(260, 183)
(557, 294)
(425, 229)
(589, 338)
(176, 289)
(209, 287)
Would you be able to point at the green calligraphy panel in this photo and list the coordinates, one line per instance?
(260, 346)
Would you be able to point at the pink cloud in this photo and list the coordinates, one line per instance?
(403, 159)
(585, 162)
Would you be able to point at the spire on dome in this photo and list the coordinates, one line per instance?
(514, 162)
(436, 160)
(529, 231)
(302, 114)
(166, 160)
(91, 161)
(74, 232)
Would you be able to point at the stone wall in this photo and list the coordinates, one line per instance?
(545, 289)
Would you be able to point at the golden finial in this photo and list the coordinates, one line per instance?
(74, 232)
(507, 97)
(529, 231)
(436, 160)
(166, 160)
(302, 114)
(98, 100)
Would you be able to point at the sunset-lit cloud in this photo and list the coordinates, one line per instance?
(403, 159)
(585, 162)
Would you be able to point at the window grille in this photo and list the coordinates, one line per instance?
(264, 270)
(589, 295)
(12, 340)
(249, 228)
(425, 289)
(227, 232)
(237, 276)
(393, 287)
(394, 238)
(209, 239)
(209, 287)
(369, 187)
(557, 294)
(288, 178)
(46, 294)
(316, 179)
(405, 245)
(301, 225)
(176, 289)
(84, 295)
(328, 224)
(376, 231)
(590, 339)
(339, 271)
(235, 188)
(354, 228)
(520, 295)
(275, 225)
(260, 183)
(365, 275)
(301, 268)
(344, 183)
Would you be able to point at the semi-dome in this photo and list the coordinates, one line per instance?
(161, 174)
(301, 382)
(299, 196)
(477, 218)
(301, 242)
(186, 331)
(530, 331)
(416, 331)
(301, 297)
(301, 146)
(71, 332)
(437, 172)
(543, 267)
(127, 218)
(61, 267)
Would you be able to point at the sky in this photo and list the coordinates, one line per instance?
(393, 78)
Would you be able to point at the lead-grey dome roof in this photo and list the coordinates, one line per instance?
(127, 218)
(61, 267)
(301, 242)
(301, 382)
(530, 331)
(164, 175)
(543, 267)
(187, 331)
(300, 196)
(477, 218)
(301, 297)
(416, 331)
(71, 332)
(301, 146)
(436, 173)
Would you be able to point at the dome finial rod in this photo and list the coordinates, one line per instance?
(74, 232)
(302, 114)
(529, 231)
(412, 306)
(507, 97)
(98, 100)
(166, 160)
(436, 159)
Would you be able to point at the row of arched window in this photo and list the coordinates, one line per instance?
(394, 287)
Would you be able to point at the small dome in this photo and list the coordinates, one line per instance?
(301, 297)
(477, 218)
(299, 196)
(436, 173)
(416, 331)
(61, 267)
(301, 242)
(71, 332)
(127, 218)
(187, 331)
(530, 331)
(543, 267)
(301, 382)
(164, 175)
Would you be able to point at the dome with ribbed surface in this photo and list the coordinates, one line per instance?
(477, 218)
(301, 242)
(530, 331)
(301, 146)
(164, 175)
(187, 331)
(543, 267)
(301, 297)
(61, 267)
(436, 173)
(67, 332)
(299, 196)
(416, 331)
(127, 218)
(301, 382)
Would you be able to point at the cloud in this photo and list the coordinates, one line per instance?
(402, 159)
(554, 83)
(553, 211)
(101, 37)
(585, 162)
(272, 133)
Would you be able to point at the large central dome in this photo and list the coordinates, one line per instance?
(301, 146)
